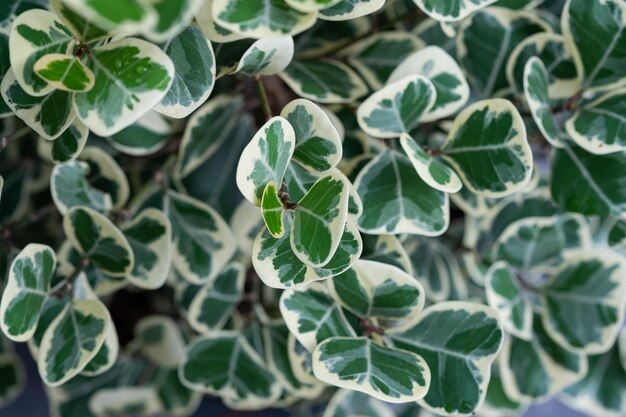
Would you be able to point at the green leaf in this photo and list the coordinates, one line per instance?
(536, 92)
(147, 135)
(82, 29)
(318, 143)
(488, 148)
(172, 18)
(123, 16)
(72, 340)
(213, 31)
(160, 340)
(486, 40)
(497, 402)
(584, 301)
(541, 242)
(107, 175)
(374, 290)
(598, 127)
(265, 158)
(99, 241)
(395, 200)
(70, 187)
(106, 356)
(26, 291)
(278, 267)
(67, 146)
(36, 33)
(562, 80)
(432, 62)
(506, 295)
(462, 336)
(194, 66)
(598, 66)
(215, 302)
(149, 235)
(351, 9)
(311, 5)
(312, 315)
(389, 374)
(273, 211)
(598, 190)
(386, 249)
(319, 220)
(601, 391)
(536, 369)
(397, 108)
(431, 170)
(260, 19)
(132, 76)
(49, 115)
(451, 10)
(205, 132)
(225, 364)
(347, 402)
(324, 81)
(267, 56)
(202, 241)
(64, 72)
(376, 56)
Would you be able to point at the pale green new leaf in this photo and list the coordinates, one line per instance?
(585, 301)
(319, 220)
(488, 148)
(26, 291)
(36, 33)
(265, 158)
(262, 18)
(99, 241)
(397, 108)
(72, 340)
(456, 335)
(444, 73)
(267, 56)
(389, 374)
(318, 143)
(149, 235)
(64, 72)
(132, 76)
(395, 199)
(273, 211)
(202, 241)
(312, 315)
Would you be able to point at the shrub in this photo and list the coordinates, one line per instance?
(250, 199)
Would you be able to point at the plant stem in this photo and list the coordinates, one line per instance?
(265, 102)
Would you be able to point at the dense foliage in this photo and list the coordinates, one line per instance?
(328, 206)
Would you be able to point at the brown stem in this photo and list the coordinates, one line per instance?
(368, 328)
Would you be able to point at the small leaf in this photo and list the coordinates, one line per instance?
(389, 374)
(598, 127)
(70, 187)
(202, 241)
(36, 33)
(267, 56)
(67, 146)
(262, 18)
(146, 136)
(160, 340)
(397, 108)
(318, 144)
(386, 249)
(273, 211)
(584, 301)
(72, 340)
(488, 148)
(313, 316)
(98, 240)
(451, 10)
(26, 291)
(506, 295)
(324, 81)
(107, 175)
(432, 171)
(225, 364)
(265, 158)
(455, 335)
(131, 76)
(64, 72)
(149, 235)
(319, 220)
(432, 62)
(374, 290)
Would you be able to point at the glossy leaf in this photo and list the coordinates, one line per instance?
(267, 56)
(273, 211)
